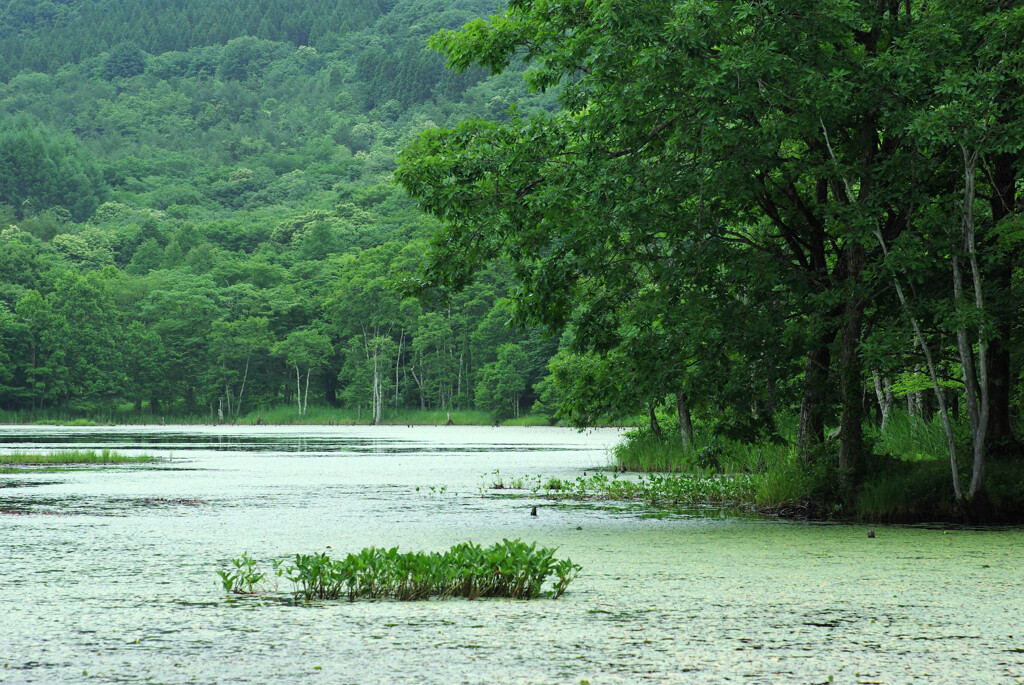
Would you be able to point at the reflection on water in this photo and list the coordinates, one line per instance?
(109, 574)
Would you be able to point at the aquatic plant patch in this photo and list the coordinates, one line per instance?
(70, 457)
(660, 490)
(510, 568)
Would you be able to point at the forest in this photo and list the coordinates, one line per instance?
(199, 218)
(770, 233)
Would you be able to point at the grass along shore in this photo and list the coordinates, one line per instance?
(72, 457)
(285, 415)
(910, 479)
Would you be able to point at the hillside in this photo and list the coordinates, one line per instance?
(200, 213)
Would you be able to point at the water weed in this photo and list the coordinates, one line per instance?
(244, 578)
(659, 490)
(510, 568)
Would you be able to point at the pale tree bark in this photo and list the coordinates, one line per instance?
(975, 369)
(377, 393)
(398, 364)
(883, 391)
(245, 376)
(930, 363)
(305, 402)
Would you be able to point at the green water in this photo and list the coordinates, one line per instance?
(108, 575)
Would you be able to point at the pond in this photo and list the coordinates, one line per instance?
(109, 574)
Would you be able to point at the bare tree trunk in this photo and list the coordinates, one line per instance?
(398, 363)
(377, 394)
(241, 391)
(305, 402)
(419, 385)
(298, 388)
(883, 391)
(976, 380)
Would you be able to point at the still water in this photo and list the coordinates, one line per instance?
(109, 575)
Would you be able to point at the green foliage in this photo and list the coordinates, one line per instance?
(502, 383)
(510, 568)
(236, 172)
(722, 175)
(244, 578)
(911, 438)
(41, 169)
(124, 61)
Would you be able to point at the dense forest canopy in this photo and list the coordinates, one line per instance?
(197, 213)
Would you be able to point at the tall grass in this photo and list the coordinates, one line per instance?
(643, 451)
(911, 438)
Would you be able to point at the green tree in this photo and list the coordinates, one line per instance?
(305, 348)
(126, 60)
(502, 383)
(236, 345)
(40, 169)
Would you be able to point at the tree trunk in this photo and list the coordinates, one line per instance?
(241, 391)
(811, 432)
(930, 363)
(305, 401)
(883, 391)
(685, 425)
(976, 380)
(999, 279)
(655, 426)
(298, 388)
(377, 398)
(851, 381)
(398, 364)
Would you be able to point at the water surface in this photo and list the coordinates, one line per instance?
(109, 574)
